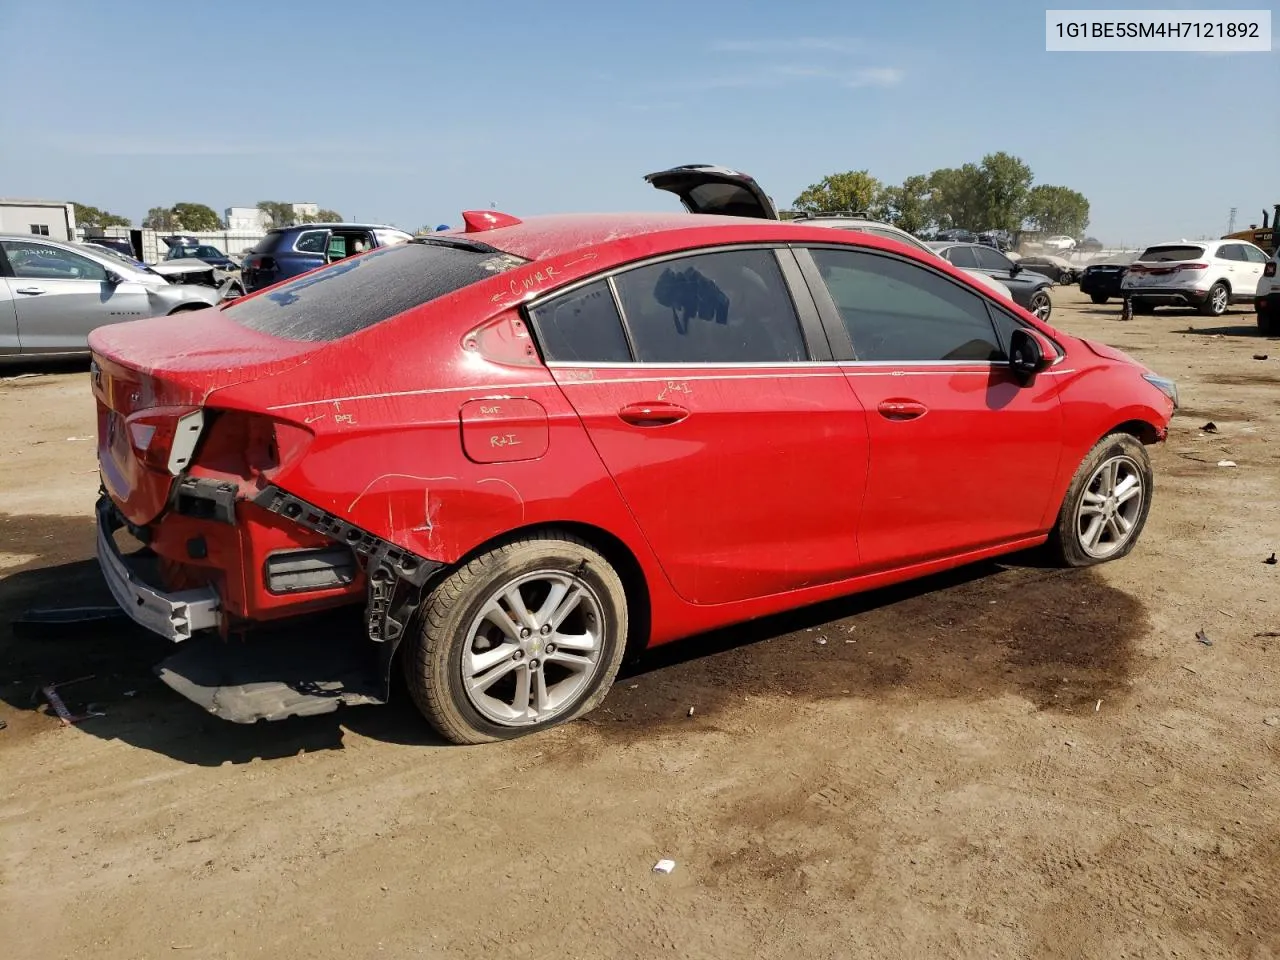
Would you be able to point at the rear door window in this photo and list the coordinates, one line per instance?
(962, 257)
(311, 241)
(727, 307)
(1253, 254)
(582, 327)
(897, 311)
(354, 294)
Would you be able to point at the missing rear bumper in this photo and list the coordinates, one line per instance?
(174, 615)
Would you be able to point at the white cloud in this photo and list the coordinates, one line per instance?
(790, 45)
(783, 74)
(877, 77)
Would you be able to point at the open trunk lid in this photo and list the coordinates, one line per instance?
(151, 379)
(705, 188)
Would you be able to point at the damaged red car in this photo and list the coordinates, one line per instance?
(526, 449)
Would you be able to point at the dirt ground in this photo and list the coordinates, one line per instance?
(1008, 761)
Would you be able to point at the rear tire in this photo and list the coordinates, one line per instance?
(1101, 516)
(1215, 304)
(562, 653)
(1099, 298)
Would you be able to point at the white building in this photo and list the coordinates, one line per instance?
(245, 220)
(44, 218)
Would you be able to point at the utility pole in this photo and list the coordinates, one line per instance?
(1231, 221)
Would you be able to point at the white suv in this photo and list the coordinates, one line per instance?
(1267, 299)
(1205, 274)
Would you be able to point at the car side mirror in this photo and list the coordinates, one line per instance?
(1015, 269)
(1028, 354)
(114, 278)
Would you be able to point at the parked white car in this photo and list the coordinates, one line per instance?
(1206, 274)
(1058, 243)
(1267, 299)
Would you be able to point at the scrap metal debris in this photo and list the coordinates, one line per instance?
(1203, 637)
(1268, 633)
(664, 866)
(1271, 560)
(51, 694)
(1210, 427)
(1226, 463)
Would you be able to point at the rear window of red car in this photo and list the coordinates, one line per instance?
(357, 293)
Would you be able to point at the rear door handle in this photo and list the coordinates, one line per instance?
(655, 414)
(30, 291)
(902, 409)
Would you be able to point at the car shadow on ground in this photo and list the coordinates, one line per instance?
(1060, 639)
(27, 367)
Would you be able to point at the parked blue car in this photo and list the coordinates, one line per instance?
(289, 251)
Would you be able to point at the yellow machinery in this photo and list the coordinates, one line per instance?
(1263, 236)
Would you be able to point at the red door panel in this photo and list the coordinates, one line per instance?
(745, 481)
(961, 457)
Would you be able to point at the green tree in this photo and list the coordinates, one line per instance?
(955, 197)
(1004, 181)
(196, 216)
(1057, 210)
(907, 206)
(161, 218)
(87, 216)
(279, 213)
(855, 190)
(324, 216)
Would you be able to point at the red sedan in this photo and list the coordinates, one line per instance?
(529, 447)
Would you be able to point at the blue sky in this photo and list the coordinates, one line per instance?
(408, 112)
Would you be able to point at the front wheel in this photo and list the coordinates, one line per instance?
(1099, 297)
(524, 636)
(1041, 305)
(1106, 505)
(1215, 304)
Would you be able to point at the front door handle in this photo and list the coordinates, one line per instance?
(902, 409)
(655, 414)
(30, 291)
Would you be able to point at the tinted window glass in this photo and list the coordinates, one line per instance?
(962, 257)
(358, 293)
(730, 307)
(36, 261)
(895, 310)
(582, 326)
(312, 241)
(1171, 252)
(989, 259)
(1229, 251)
(1255, 255)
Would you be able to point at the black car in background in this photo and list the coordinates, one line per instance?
(1029, 289)
(1101, 281)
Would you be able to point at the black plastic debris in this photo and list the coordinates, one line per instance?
(1259, 356)
(1271, 560)
(1210, 427)
(1203, 637)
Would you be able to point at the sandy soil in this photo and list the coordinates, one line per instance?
(1006, 762)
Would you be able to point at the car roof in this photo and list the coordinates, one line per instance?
(333, 226)
(543, 237)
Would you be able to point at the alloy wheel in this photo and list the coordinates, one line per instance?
(1110, 507)
(533, 648)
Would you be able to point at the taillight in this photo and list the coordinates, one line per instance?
(1137, 268)
(1192, 266)
(164, 438)
(1270, 269)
